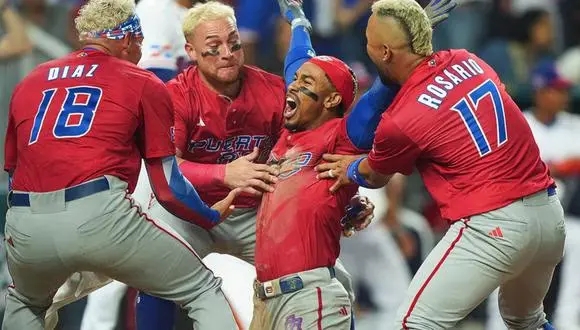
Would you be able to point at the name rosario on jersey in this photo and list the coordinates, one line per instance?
(451, 77)
(233, 147)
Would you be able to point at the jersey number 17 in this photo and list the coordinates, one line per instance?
(467, 113)
(70, 107)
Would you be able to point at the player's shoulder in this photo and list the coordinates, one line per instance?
(259, 77)
(134, 74)
(185, 83)
(332, 129)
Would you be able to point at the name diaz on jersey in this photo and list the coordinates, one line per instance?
(67, 72)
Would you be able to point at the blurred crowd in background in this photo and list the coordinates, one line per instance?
(516, 37)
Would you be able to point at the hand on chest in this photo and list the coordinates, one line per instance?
(292, 158)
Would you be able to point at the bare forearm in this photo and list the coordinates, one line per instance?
(15, 41)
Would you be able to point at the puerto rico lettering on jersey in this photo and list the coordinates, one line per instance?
(231, 148)
(450, 78)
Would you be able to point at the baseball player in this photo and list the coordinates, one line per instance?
(77, 130)
(297, 246)
(455, 122)
(224, 131)
(163, 53)
(557, 133)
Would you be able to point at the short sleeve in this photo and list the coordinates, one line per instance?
(392, 150)
(10, 147)
(181, 116)
(156, 133)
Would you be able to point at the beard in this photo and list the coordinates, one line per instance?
(385, 79)
(383, 75)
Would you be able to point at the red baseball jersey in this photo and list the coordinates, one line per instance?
(83, 116)
(211, 128)
(455, 122)
(298, 226)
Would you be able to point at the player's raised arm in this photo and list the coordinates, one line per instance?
(300, 49)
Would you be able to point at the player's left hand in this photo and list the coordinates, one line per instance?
(292, 12)
(359, 215)
(336, 168)
(438, 10)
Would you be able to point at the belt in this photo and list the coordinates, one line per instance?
(70, 194)
(287, 284)
(551, 190)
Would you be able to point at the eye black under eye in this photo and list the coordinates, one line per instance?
(236, 46)
(213, 51)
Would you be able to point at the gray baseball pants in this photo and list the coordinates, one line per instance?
(106, 233)
(514, 248)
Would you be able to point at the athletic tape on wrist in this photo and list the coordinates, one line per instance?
(354, 175)
(301, 21)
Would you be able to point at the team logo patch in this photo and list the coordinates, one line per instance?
(291, 163)
(293, 322)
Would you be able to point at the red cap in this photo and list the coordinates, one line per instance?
(341, 76)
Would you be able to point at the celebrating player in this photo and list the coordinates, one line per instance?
(298, 228)
(163, 53)
(78, 129)
(455, 122)
(227, 118)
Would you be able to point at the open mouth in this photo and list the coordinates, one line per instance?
(290, 109)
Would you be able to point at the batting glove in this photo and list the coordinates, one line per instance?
(358, 215)
(292, 11)
(438, 10)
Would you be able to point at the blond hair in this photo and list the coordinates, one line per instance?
(98, 15)
(203, 12)
(413, 20)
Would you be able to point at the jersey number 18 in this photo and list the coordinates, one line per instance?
(62, 129)
(467, 113)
